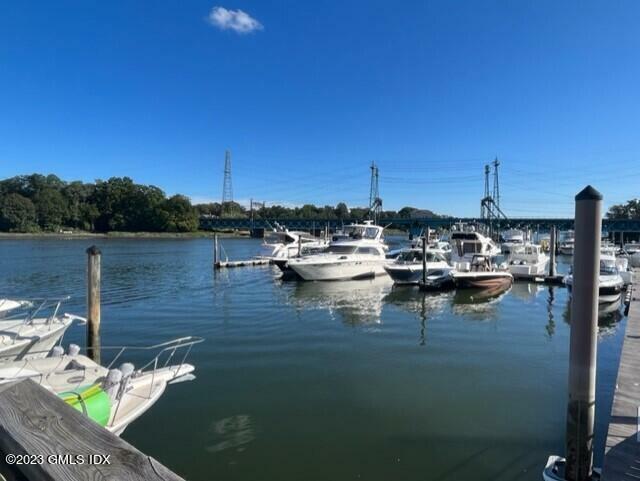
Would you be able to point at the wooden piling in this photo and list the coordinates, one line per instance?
(93, 302)
(424, 259)
(584, 336)
(552, 252)
(215, 249)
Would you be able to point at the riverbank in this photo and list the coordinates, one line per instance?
(122, 235)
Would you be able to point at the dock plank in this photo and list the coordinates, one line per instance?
(36, 422)
(622, 448)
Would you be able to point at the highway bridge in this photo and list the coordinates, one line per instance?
(413, 225)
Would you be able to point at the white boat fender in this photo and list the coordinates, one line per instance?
(127, 369)
(74, 350)
(57, 351)
(111, 384)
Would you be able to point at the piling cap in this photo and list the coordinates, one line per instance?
(589, 193)
(93, 250)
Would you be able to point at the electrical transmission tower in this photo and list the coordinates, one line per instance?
(375, 202)
(490, 211)
(227, 188)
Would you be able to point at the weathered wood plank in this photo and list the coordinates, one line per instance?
(34, 421)
(622, 448)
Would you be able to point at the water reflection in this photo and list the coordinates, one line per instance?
(609, 315)
(479, 302)
(526, 291)
(551, 323)
(358, 302)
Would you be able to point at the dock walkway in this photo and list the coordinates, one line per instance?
(622, 449)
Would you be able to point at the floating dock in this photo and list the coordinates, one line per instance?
(58, 443)
(248, 262)
(622, 448)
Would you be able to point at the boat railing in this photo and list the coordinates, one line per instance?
(34, 307)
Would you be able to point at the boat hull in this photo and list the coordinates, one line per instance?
(482, 280)
(337, 271)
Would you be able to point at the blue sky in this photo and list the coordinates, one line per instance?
(430, 90)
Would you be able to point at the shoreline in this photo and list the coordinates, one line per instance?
(121, 235)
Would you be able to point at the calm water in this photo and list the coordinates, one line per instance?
(351, 380)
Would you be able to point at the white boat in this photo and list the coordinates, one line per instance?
(283, 244)
(632, 248)
(8, 305)
(33, 333)
(528, 261)
(634, 260)
(407, 268)
(481, 273)
(512, 241)
(554, 470)
(113, 398)
(610, 282)
(567, 242)
(357, 254)
(465, 246)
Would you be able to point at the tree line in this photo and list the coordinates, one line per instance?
(33, 203)
(39, 203)
(629, 210)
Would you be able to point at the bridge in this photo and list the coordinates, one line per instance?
(413, 225)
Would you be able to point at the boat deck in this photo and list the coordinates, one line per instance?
(622, 449)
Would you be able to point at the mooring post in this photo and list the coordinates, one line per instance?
(93, 303)
(215, 250)
(584, 336)
(299, 246)
(552, 252)
(424, 258)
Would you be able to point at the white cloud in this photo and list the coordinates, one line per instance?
(236, 20)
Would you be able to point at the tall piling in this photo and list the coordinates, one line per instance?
(584, 334)
(424, 259)
(215, 250)
(93, 303)
(552, 252)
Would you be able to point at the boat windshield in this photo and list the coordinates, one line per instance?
(340, 249)
(608, 267)
(416, 256)
(361, 232)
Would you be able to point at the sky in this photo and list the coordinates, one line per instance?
(306, 95)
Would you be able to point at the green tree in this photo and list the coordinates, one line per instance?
(17, 213)
(342, 211)
(181, 215)
(51, 207)
(630, 210)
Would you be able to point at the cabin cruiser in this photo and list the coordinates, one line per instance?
(357, 254)
(512, 241)
(482, 273)
(610, 282)
(436, 246)
(407, 268)
(467, 245)
(32, 333)
(283, 244)
(530, 260)
(113, 398)
(567, 243)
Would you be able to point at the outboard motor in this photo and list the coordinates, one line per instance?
(74, 350)
(111, 384)
(57, 351)
(127, 369)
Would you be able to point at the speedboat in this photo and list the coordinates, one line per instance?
(32, 333)
(610, 282)
(467, 245)
(529, 261)
(483, 274)
(8, 305)
(113, 398)
(357, 254)
(512, 241)
(632, 248)
(567, 243)
(407, 268)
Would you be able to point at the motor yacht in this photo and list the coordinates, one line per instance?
(482, 273)
(512, 241)
(357, 254)
(112, 397)
(528, 261)
(567, 242)
(408, 267)
(283, 244)
(465, 246)
(610, 282)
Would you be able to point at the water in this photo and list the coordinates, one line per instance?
(316, 381)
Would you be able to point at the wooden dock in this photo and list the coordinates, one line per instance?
(63, 444)
(622, 449)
